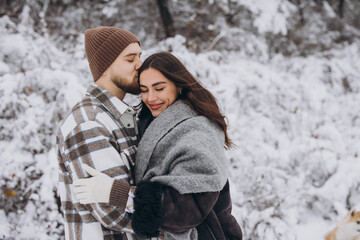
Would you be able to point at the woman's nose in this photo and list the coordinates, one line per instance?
(151, 96)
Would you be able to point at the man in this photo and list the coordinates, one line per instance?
(101, 132)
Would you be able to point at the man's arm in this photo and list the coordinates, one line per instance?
(92, 144)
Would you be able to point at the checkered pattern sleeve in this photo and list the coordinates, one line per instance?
(92, 143)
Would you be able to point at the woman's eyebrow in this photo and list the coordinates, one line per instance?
(153, 85)
(158, 83)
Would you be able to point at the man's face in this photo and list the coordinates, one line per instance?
(123, 71)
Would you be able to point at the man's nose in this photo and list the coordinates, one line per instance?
(138, 64)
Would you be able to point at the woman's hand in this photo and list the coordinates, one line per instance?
(96, 189)
(147, 217)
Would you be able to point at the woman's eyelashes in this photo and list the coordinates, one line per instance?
(156, 89)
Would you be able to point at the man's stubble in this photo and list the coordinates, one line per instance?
(123, 83)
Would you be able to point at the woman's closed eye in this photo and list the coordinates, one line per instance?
(156, 89)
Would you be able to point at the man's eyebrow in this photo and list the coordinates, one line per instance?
(132, 54)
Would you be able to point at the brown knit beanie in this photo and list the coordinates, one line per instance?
(103, 45)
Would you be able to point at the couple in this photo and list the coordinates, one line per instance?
(163, 177)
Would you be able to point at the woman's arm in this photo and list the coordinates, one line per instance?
(157, 206)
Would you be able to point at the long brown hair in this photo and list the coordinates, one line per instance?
(193, 93)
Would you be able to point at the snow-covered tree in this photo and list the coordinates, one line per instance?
(285, 73)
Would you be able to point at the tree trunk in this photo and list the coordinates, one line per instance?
(341, 8)
(166, 18)
(301, 12)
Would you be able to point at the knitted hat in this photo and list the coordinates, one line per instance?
(103, 45)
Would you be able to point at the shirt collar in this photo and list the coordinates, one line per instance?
(113, 104)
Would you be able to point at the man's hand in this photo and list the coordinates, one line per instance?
(95, 189)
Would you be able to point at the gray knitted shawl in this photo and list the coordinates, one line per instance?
(183, 150)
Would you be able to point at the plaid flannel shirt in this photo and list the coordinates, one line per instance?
(100, 131)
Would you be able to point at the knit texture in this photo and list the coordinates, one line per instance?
(147, 218)
(103, 45)
(119, 193)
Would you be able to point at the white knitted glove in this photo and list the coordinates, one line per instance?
(95, 189)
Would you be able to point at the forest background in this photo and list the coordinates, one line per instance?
(286, 74)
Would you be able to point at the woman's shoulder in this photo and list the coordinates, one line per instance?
(201, 123)
(198, 127)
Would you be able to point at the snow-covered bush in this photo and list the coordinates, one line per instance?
(37, 90)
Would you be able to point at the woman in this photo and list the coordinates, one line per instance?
(180, 171)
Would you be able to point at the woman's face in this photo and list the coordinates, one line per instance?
(157, 92)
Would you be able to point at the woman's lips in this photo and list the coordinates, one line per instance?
(156, 106)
